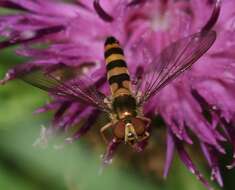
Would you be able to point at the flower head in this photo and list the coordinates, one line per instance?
(201, 102)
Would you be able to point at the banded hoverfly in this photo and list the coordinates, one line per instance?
(125, 104)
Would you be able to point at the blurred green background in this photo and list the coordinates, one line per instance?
(76, 166)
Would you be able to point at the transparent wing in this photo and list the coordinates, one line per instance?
(174, 60)
(79, 90)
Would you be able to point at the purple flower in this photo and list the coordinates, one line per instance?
(201, 102)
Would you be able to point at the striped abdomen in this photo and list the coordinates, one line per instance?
(117, 72)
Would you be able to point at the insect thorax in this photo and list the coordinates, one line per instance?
(124, 105)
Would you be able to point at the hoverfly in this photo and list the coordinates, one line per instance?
(124, 105)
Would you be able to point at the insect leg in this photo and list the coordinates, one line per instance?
(137, 83)
(146, 136)
(104, 128)
(145, 119)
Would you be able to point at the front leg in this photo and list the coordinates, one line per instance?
(103, 129)
(145, 119)
(146, 136)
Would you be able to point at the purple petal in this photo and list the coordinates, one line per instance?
(17, 71)
(169, 153)
(67, 118)
(140, 146)
(231, 131)
(100, 11)
(30, 36)
(136, 2)
(190, 165)
(48, 107)
(83, 5)
(214, 17)
(60, 111)
(213, 163)
(110, 151)
(88, 124)
(11, 5)
(143, 29)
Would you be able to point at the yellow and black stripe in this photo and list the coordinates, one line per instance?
(117, 72)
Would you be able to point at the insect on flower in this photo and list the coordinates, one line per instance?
(125, 104)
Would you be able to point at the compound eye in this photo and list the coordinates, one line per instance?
(139, 125)
(119, 130)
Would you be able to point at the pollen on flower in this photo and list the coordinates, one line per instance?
(160, 22)
(28, 34)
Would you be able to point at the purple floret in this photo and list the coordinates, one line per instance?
(74, 34)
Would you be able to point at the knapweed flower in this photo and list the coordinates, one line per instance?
(201, 103)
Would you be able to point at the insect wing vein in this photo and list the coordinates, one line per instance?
(72, 91)
(174, 60)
